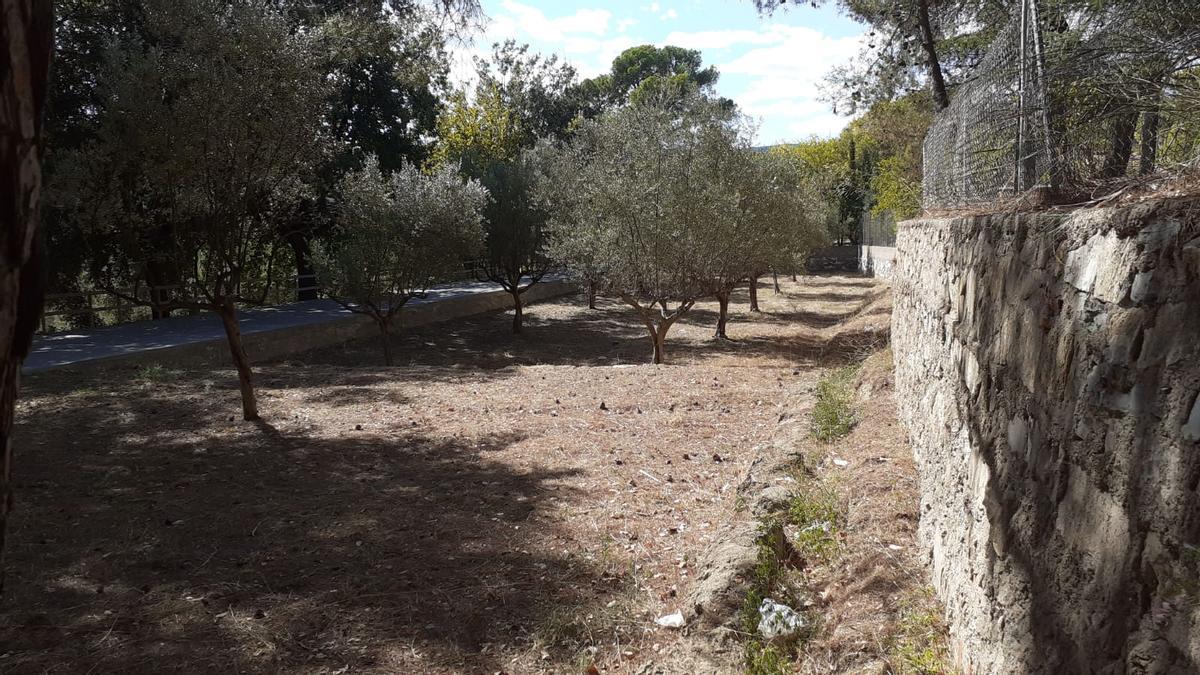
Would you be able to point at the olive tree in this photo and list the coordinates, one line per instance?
(396, 236)
(783, 217)
(627, 191)
(208, 127)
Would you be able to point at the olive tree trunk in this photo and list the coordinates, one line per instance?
(385, 333)
(26, 42)
(754, 293)
(245, 376)
(723, 314)
(518, 310)
(658, 321)
(591, 294)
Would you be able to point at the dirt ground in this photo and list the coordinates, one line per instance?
(492, 504)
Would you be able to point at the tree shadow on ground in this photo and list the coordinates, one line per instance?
(149, 537)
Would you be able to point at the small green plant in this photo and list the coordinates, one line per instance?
(816, 517)
(833, 414)
(157, 372)
(762, 657)
(919, 646)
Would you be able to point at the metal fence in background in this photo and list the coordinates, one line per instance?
(1072, 105)
(992, 141)
(878, 229)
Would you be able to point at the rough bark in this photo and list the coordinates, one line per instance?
(754, 293)
(245, 376)
(660, 345)
(518, 310)
(722, 315)
(591, 295)
(929, 43)
(775, 282)
(1149, 157)
(1121, 146)
(26, 40)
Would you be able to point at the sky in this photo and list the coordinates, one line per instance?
(771, 66)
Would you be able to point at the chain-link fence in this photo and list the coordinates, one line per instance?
(992, 140)
(1075, 101)
(878, 229)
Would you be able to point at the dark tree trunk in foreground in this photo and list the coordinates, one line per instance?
(929, 43)
(591, 295)
(26, 42)
(754, 293)
(245, 377)
(775, 281)
(723, 315)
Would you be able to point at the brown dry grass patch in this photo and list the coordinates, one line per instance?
(474, 509)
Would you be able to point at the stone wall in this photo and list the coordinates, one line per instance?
(1048, 367)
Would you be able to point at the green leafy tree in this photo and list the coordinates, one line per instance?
(397, 235)
(647, 73)
(191, 173)
(628, 203)
(489, 141)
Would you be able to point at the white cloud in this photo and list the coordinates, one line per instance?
(581, 38)
(780, 70)
(669, 14)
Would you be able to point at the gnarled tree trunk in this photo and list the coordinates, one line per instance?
(245, 377)
(723, 314)
(518, 310)
(26, 41)
(754, 293)
(658, 322)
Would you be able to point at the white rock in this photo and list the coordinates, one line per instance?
(671, 620)
(778, 620)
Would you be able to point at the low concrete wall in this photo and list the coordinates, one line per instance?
(1048, 369)
(275, 344)
(834, 259)
(877, 261)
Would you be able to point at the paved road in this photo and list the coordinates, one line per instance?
(61, 349)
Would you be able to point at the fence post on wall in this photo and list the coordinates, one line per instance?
(1020, 177)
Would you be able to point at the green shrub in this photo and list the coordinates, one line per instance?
(833, 414)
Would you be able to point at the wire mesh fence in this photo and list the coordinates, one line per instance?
(1071, 102)
(878, 229)
(993, 139)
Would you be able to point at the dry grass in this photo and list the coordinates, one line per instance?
(493, 504)
(877, 615)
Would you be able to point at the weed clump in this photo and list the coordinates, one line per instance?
(833, 414)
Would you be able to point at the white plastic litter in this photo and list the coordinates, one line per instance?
(671, 620)
(778, 620)
(841, 462)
